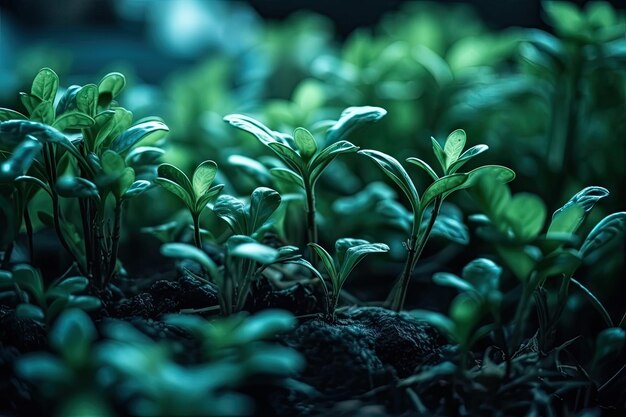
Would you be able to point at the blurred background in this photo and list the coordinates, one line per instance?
(543, 84)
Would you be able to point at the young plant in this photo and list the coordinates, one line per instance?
(305, 157)
(451, 157)
(248, 219)
(196, 194)
(349, 252)
(89, 167)
(514, 224)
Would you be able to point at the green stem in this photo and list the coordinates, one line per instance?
(29, 232)
(416, 245)
(116, 241)
(84, 215)
(310, 212)
(196, 231)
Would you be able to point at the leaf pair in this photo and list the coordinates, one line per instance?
(196, 193)
(247, 219)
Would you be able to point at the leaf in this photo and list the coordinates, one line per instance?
(185, 251)
(568, 218)
(251, 166)
(87, 99)
(73, 120)
(424, 166)
(110, 126)
(451, 280)
(318, 164)
(355, 254)
(327, 261)
(28, 278)
(233, 212)
(72, 335)
(455, 142)
(8, 114)
(76, 187)
(288, 176)
(177, 190)
(305, 142)
(466, 156)
(21, 159)
(447, 227)
(124, 182)
(263, 325)
(72, 285)
(143, 156)
(30, 102)
(43, 367)
(29, 312)
(499, 173)
(465, 311)
(45, 84)
(250, 249)
(203, 177)
(136, 188)
(170, 172)
(68, 100)
(441, 187)
(392, 168)
(602, 235)
(250, 125)
(263, 203)
(609, 343)
(43, 113)
(439, 154)
(483, 274)
(526, 214)
(110, 87)
(147, 132)
(492, 196)
(288, 155)
(207, 196)
(350, 119)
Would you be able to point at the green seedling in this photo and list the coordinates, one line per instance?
(349, 253)
(305, 157)
(248, 219)
(44, 304)
(451, 157)
(196, 194)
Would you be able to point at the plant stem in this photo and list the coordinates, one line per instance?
(521, 314)
(29, 232)
(310, 212)
(7, 256)
(416, 245)
(116, 241)
(196, 231)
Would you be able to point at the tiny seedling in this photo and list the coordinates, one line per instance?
(349, 252)
(196, 194)
(451, 157)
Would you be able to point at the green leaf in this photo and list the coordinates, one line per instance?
(351, 118)
(424, 166)
(250, 125)
(440, 154)
(438, 320)
(287, 176)
(483, 274)
(245, 247)
(170, 172)
(73, 285)
(68, 100)
(137, 188)
(84, 302)
(250, 166)
(392, 168)
(111, 85)
(441, 187)
(144, 156)
(45, 85)
(305, 142)
(492, 196)
(263, 325)
(451, 280)
(233, 212)
(466, 311)
(28, 278)
(327, 261)
(497, 172)
(288, 155)
(30, 102)
(203, 177)
(21, 159)
(148, 132)
(76, 187)
(526, 214)
(110, 126)
(602, 235)
(87, 99)
(454, 145)
(355, 254)
(185, 251)
(73, 120)
(263, 203)
(44, 113)
(124, 182)
(177, 190)
(72, 335)
(318, 164)
(466, 156)
(207, 196)
(8, 114)
(29, 312)
(568, 218)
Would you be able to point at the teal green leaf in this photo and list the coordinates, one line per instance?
(287, 176)
(602, 235)
(441, 187)
(137, 188)
(203, 177)
(72, 335)
(451, 280)
(111, 85)
(483, 274)
(327, 261)
(526, 214)
(288, 155)
(355, 254)
(148, 132)
(351, 118)
(186, 251)
(466, 156)
(29, 312)
(21, 159)
(44, 113)
(170, 172)
(320, 161)
(204, 199)
(568, 218)
(76, 187)
(30, 102)
(87, 99)
(246, 247)
(305, 142)
(253, 126)
(45, 85)
(28, 278)
(177, 190)
(424, 166)
(454, 145)
(439, 154)
(8, 114)
(233, 212)
(73, 120)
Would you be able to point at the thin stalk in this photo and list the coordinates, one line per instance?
(117, 218)
(416, 245)
(84, 215)
(29, 232)
(197, 239)
(311, 225)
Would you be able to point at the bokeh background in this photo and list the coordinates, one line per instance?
(544, 87)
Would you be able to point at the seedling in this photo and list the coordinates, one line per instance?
(305, 157)
(349, 253)
(248, 219)
(451, 157)
(196, 194)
